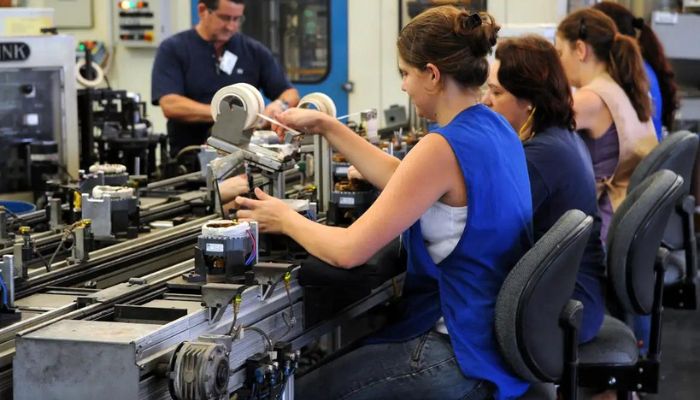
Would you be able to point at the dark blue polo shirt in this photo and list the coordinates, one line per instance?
(187, 65)
(561, 179)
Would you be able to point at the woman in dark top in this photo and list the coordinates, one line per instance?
(528, 87)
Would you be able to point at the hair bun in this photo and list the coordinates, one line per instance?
(638, 23)
(479, 31)
(465, 23)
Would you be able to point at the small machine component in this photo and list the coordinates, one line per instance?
(268, 374)
(8, 312)
(225, 251)
(200, 370)
(23, 252)
(113, 210)
(103, 175)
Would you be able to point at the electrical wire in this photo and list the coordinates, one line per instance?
(268, 341)
(251, 258)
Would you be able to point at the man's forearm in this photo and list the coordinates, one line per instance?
(184, 109)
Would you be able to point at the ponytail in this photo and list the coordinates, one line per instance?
(627, 69)
(653, 53)
(620, 53)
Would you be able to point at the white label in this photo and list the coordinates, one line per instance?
(347, 201)
(341, 171)
(228, 62)
(372, 128)
(218, 247)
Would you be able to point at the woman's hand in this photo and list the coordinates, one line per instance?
(306, 121)
(270, 212)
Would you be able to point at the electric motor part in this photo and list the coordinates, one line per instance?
(199, 371)
(108, 169)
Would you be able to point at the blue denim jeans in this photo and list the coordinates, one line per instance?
(421, 368)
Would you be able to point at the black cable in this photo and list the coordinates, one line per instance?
(268, 341)
(41, 257)
(107, 82)
(218, 194)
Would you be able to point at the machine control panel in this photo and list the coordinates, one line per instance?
(143, 23)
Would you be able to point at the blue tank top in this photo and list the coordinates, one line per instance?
(464, 286)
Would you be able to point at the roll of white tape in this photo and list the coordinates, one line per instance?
(119, 192)
(89, 83)
(243, 95)
(226, 228)
(319, 101)
(108, 168)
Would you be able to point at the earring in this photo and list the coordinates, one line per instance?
(529, 108)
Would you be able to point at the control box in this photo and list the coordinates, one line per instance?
(143, 23)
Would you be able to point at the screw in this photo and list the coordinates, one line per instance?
(641, 370)
(612, 381)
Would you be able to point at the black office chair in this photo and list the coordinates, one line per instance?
(676, 153)
(536, 322)
(636, 274)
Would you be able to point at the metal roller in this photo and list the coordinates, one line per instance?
(320, 102)
(243, 95)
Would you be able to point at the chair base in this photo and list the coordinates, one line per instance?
(680, 295)
(640, 377)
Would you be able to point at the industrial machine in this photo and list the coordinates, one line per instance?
(189, 340)
(38, 118)
(114, 129)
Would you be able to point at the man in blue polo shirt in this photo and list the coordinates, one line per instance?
(192, 65)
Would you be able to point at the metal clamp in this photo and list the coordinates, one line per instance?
(217, 296)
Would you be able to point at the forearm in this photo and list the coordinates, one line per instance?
(376, 166)
(184, 109)
(332, 245)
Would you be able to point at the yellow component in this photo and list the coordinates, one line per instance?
(77, 200)
(238, 299)
(86, 222)
(287, 279)
(23, 230)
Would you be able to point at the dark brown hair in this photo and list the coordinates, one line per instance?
(531, 70)
(453, 40)
(619, 53)
(652, 51)
(214, 4)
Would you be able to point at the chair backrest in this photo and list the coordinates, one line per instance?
(634, 237)
(533, 296)
(676, 153)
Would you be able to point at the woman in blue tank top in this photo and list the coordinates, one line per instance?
(473, 162)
